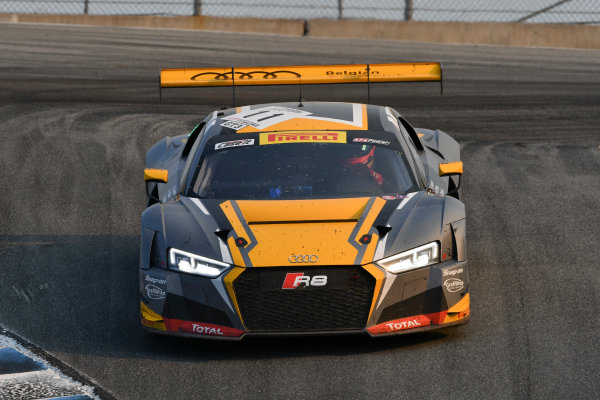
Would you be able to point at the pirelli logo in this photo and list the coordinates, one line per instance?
(303, 137)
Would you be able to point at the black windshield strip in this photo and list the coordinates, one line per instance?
(226, 141)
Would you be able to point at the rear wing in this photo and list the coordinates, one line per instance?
(301, 75)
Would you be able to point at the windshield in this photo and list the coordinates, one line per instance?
(301, 171)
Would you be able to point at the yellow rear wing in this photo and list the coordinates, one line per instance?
(301, 75)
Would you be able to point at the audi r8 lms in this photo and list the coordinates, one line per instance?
(303, 218)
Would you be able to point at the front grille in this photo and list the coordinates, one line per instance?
(339, 307)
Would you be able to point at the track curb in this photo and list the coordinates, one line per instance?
(57, 364)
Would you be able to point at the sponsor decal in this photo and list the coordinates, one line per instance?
(154, 292)
(201, 328)
(152, 279)
(155, 287)
(294, 259)
(393, 196)
(371, 141)
(294, 280)
(206, 330)
(303, 137)
(454, 284)
(398, 326)
(353, 73)
(401, 324)
(225, 76)
(234, 143)
(452, 272)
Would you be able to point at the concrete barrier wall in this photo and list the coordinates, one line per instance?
(251, 25)
(510, 34)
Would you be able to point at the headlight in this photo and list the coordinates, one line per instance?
(194, 264)
(411, 259)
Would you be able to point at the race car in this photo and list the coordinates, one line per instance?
(303, 217)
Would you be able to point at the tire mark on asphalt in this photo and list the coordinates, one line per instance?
(482, 153)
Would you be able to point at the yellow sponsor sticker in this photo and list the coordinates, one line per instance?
(303, 137)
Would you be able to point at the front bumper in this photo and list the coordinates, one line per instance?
(191, 306)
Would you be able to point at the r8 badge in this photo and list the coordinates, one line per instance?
(296, 279)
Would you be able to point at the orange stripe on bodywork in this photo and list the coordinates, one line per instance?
(236, 255)
(228, 279)
(302, 210)
(379, 277)
(237, 226)
(365, 122)
(460, 310)
(235, 222)
(151, 319)
(462, 305)
(370, 251)
(369, 219)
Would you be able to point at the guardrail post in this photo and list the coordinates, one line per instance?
(197, 7)
(86, 6)
(408, 9)
(340, 8)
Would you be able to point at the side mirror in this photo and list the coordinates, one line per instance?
(453, 168)
(156, 175)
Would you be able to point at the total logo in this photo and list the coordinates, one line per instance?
(294, 280)
(398, 326)
(401, 324)
(206, 330)
(178, 325)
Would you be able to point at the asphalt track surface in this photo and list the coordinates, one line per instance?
(79, 108)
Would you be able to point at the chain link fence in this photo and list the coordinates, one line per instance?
(530, 11)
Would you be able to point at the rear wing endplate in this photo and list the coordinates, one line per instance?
(301, 75)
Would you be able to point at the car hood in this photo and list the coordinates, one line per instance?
(268, 233)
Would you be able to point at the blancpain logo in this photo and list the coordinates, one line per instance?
(206, 330)
(396, 326)
(155, 292)
(454, 284)
(453, 272)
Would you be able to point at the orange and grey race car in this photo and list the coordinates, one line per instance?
(303, 217)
